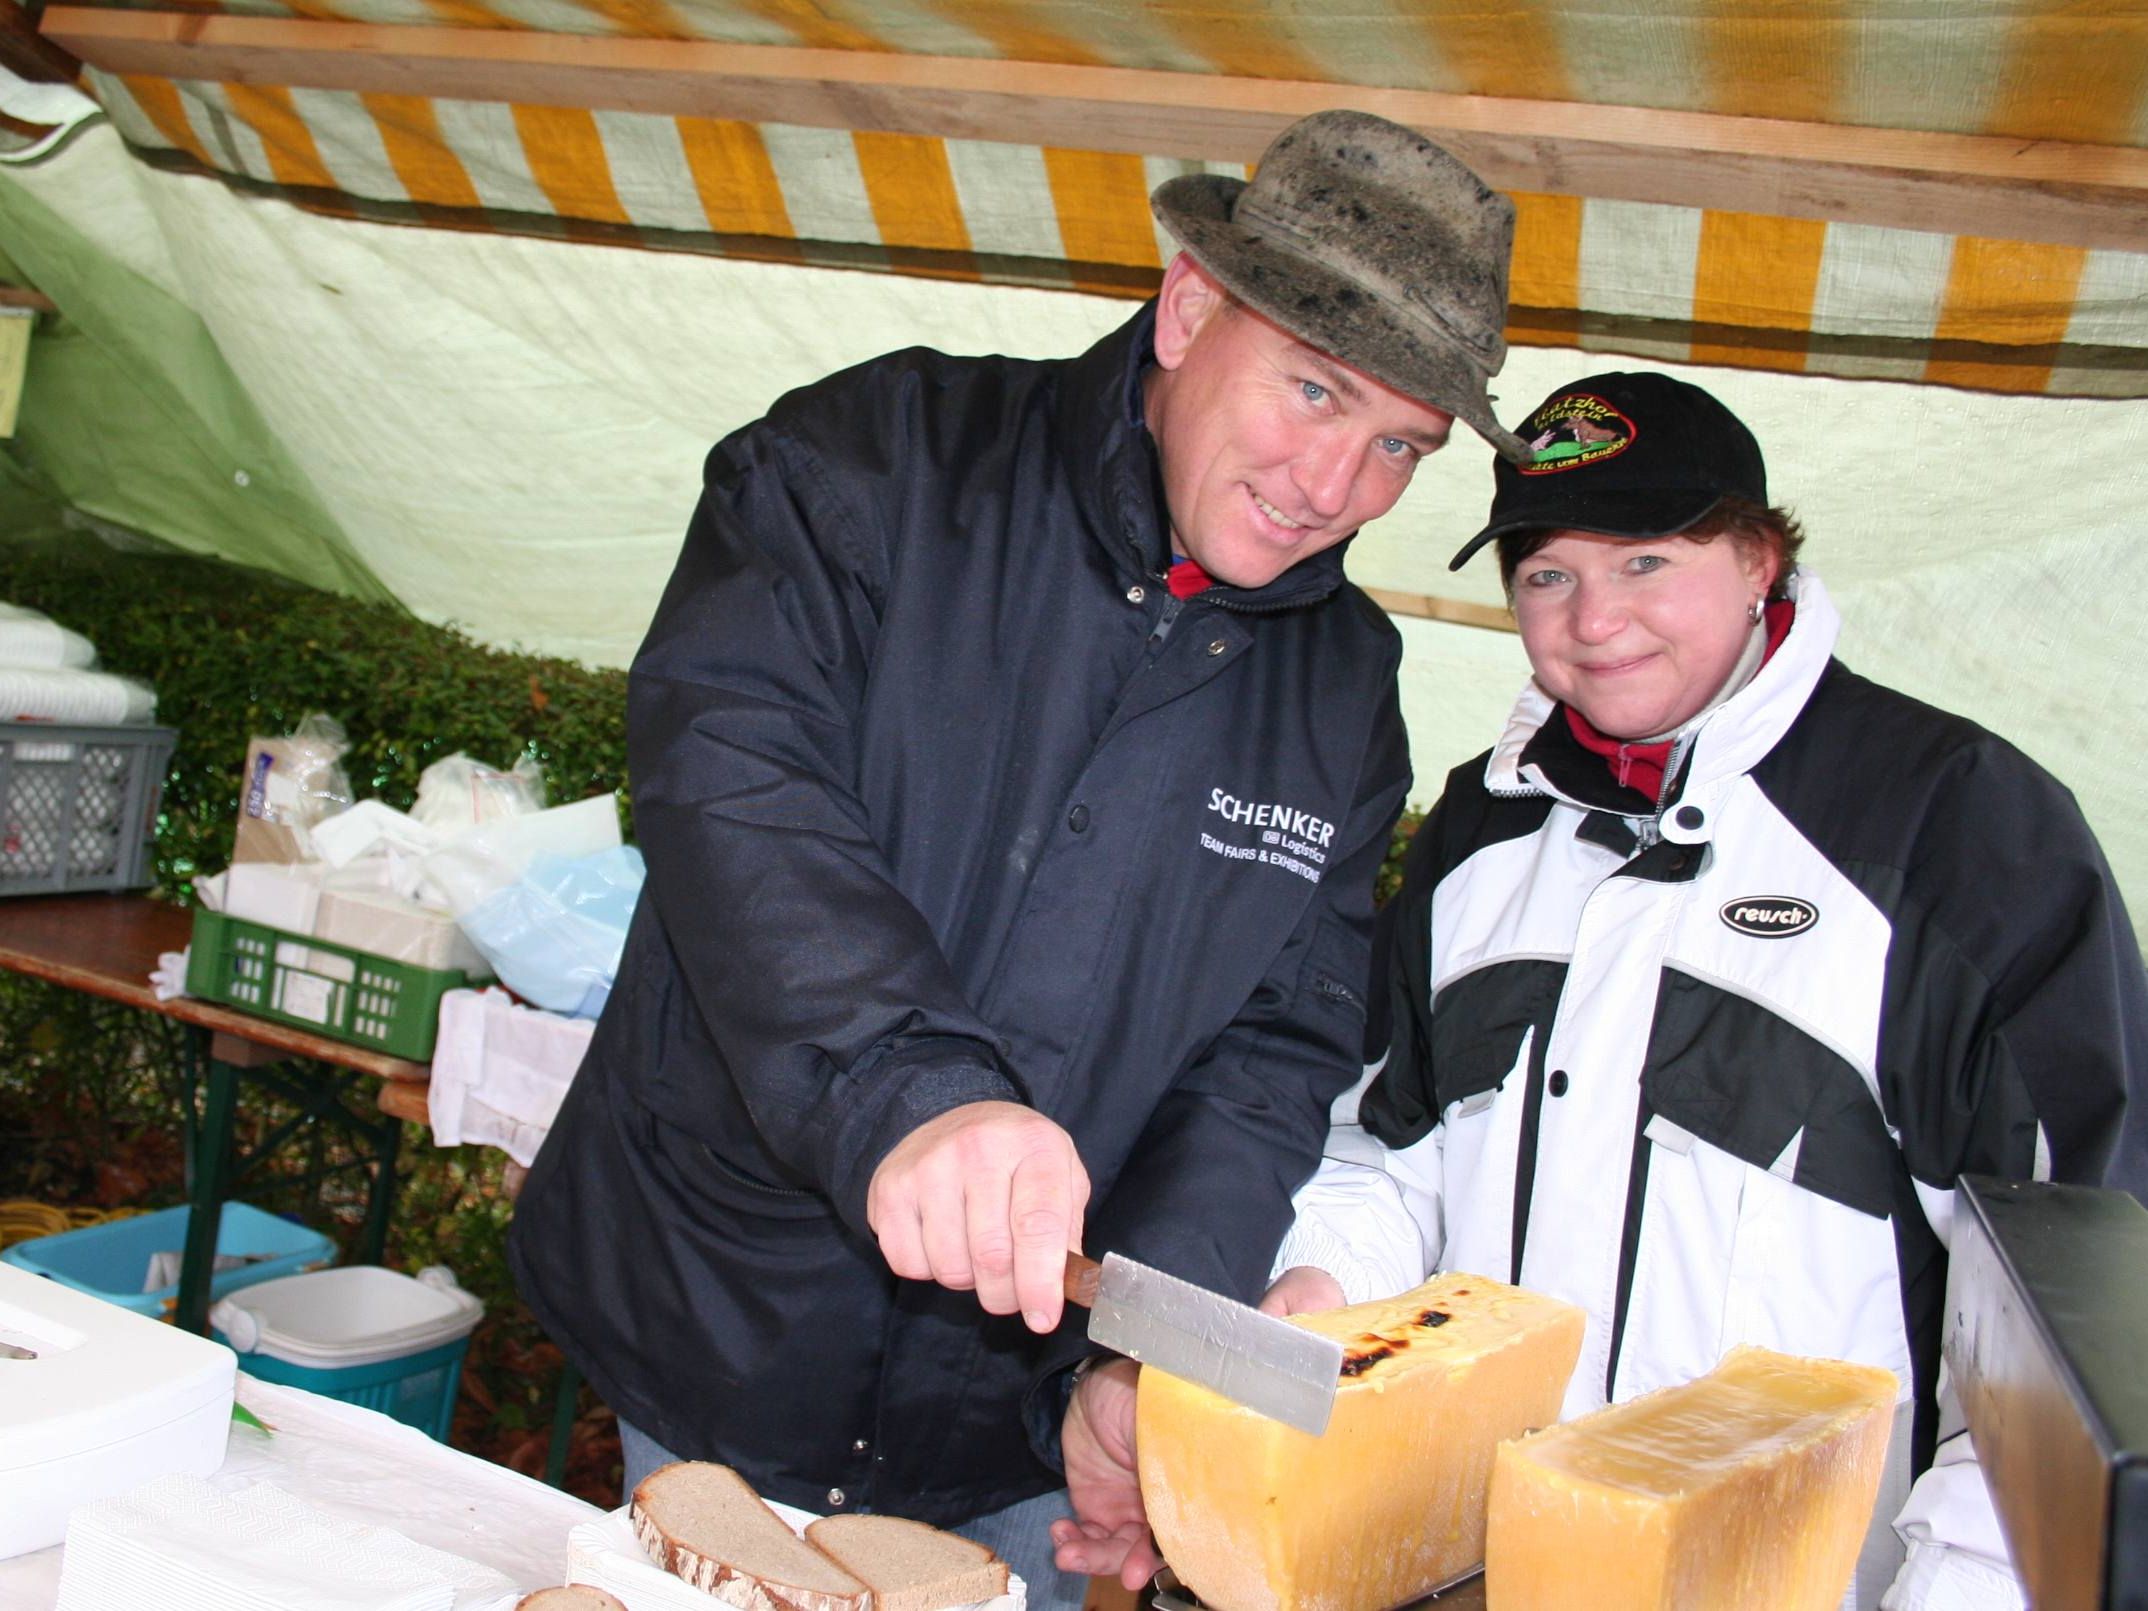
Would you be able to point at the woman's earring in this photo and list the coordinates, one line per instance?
(1760, 607)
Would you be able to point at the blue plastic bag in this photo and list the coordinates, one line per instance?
(554, 935)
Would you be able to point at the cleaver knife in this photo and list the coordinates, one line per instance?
(1282, 1371)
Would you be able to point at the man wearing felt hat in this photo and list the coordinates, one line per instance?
(1013, 760)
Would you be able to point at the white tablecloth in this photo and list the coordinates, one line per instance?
(360, 1464)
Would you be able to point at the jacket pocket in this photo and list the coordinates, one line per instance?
(1479, 1022)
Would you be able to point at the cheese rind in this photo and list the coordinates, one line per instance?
(1389, 1502)
(1750, 1489)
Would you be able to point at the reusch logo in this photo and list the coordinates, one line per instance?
(1771, 917)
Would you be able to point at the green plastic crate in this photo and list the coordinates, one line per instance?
(335, 990)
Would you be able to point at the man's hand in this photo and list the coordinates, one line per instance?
(986, 1196)
(1302, 1289)
(1109, 1532)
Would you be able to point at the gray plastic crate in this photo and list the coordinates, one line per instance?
(78, 805)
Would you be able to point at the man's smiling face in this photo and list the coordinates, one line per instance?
(1272, 450)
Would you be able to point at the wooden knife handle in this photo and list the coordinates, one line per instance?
(1081, 1279)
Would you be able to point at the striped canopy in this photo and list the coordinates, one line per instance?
(1945, 194)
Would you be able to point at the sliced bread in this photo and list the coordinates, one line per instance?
(574, 1597)
(910, 1566)
(703, 1522)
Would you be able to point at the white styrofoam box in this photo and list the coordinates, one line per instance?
(107, 1400)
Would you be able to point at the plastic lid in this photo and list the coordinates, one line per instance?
(358, 1315)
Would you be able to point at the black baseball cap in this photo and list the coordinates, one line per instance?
(1628, 455)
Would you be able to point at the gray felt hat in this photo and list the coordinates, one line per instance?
(1371, 243)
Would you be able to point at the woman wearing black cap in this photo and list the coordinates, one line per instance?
(1714, 974)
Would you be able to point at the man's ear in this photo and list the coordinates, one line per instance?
(1188, 300)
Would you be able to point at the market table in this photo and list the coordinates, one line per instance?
(358, 1465)
(107, 945)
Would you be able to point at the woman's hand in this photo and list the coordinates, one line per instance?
(1109, 1531)
(1302, 1289)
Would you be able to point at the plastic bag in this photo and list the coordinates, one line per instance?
(291, 783)
(555, 934)
(457, 792)
(479, 861)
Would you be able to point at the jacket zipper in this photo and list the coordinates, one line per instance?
(1166, 618)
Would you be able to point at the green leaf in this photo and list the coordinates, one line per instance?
(246, 1417)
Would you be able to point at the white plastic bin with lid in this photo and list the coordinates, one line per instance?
(362, 1334)
(93, 1400)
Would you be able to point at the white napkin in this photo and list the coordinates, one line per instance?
(605, 1554)
(178, 1544)
(501, 1070)
(59, 694)
(29, 638)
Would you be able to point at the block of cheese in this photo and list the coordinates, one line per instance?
(1750, 1488)
(1387, 1503)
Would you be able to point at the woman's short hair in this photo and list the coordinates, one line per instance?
(1758, 528)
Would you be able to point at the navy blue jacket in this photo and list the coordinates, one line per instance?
(944, 798)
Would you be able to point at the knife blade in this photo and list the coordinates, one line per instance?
(1270, 1366)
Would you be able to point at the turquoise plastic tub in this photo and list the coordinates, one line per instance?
(362, 1334)
(111, 1260)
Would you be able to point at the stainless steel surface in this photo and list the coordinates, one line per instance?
(1283, 1371)
(2047, 1309)
(1465, 1593)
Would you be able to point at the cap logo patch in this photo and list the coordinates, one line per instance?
(1574, 430)
(1771, 917)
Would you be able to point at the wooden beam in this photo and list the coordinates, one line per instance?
(1455, 612)
(28, 54)
(2040, 190)
(18, 296)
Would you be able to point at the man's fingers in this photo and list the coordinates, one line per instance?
(1040, 1208)
(892, 1214)
(990, 1244)
(943, 1226)
(1142, 1562)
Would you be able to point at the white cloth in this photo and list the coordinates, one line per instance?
(62, 694)
(176, 1542)
(501, 1070)
(28, 638)
(167, 980)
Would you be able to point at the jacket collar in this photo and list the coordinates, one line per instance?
(1729, 744)
(1118, 482)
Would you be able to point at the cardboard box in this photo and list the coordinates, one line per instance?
(400, 930)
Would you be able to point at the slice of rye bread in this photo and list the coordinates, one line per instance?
(574, 1597)
(703, 1522)
(910, 1566)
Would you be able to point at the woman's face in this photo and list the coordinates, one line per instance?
(1637, 634)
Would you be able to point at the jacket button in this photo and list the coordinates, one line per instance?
(1078, 819)
(857, 1446)
(835, 1497)
(1136, 593)
(1557, 1085)
(1217, 646)
(1690, 817)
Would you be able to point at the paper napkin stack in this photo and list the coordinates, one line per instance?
(178, 1544)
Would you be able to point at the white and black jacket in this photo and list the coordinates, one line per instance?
(1709, 1067)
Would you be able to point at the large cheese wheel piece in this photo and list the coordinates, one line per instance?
(1748, 1490)
(1387, 1503)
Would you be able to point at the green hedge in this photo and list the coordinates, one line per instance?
(232, 653)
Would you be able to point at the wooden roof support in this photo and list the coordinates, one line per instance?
(2035, 190)
(1454, 612)
(28, 54)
